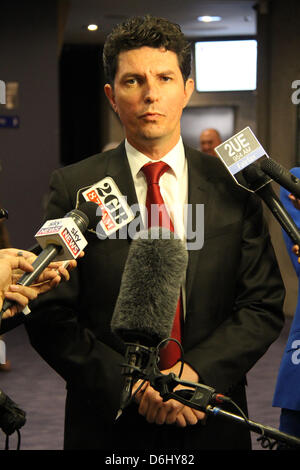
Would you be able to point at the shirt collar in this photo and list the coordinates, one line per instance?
(175, 159)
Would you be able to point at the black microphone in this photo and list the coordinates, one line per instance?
(12, 417)
(150, 287)
(84, 217)
(281, 175)
(261, 185)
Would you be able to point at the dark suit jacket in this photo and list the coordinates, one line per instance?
(234, 294)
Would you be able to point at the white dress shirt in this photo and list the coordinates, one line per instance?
(173, 183)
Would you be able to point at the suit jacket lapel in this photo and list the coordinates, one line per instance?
(199, 192)
(118, 169)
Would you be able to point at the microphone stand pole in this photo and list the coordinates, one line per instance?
(265, 431)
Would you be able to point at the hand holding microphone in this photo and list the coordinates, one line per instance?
(62, 240)
(13, 264)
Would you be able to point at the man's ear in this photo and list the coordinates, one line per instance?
(188, 90)
(109, 92)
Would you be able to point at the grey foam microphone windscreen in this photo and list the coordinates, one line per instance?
(150, 287)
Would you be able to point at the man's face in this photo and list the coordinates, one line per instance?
(149, 96)
(209, 140)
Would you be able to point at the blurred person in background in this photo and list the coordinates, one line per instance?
(209, 140)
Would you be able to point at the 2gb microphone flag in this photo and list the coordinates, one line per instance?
(116, 213)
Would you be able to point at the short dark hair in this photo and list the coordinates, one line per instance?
(148, 31)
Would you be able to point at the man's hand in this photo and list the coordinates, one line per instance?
(172, 411)
(13, 263)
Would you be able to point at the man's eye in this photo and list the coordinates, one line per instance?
(131, 81)
(166, 78)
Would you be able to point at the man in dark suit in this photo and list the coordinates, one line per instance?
(233, 292)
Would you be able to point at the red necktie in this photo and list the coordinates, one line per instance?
(158, 215)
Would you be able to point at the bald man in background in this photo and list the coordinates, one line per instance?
(209, 140)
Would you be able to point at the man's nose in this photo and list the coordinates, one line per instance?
(151, 91)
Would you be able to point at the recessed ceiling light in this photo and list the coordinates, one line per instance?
(209, 19)
(92, 27)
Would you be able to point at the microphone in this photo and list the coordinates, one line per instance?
(60, 241)
(246, 160)
(12, 418)
(145, 308)
(260, 184)
(282, 176)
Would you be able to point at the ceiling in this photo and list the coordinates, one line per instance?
(238, 17)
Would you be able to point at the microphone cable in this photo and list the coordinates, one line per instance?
(18, 443)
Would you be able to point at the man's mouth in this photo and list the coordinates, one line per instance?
(150, 115)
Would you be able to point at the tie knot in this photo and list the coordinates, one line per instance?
(153, 171)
